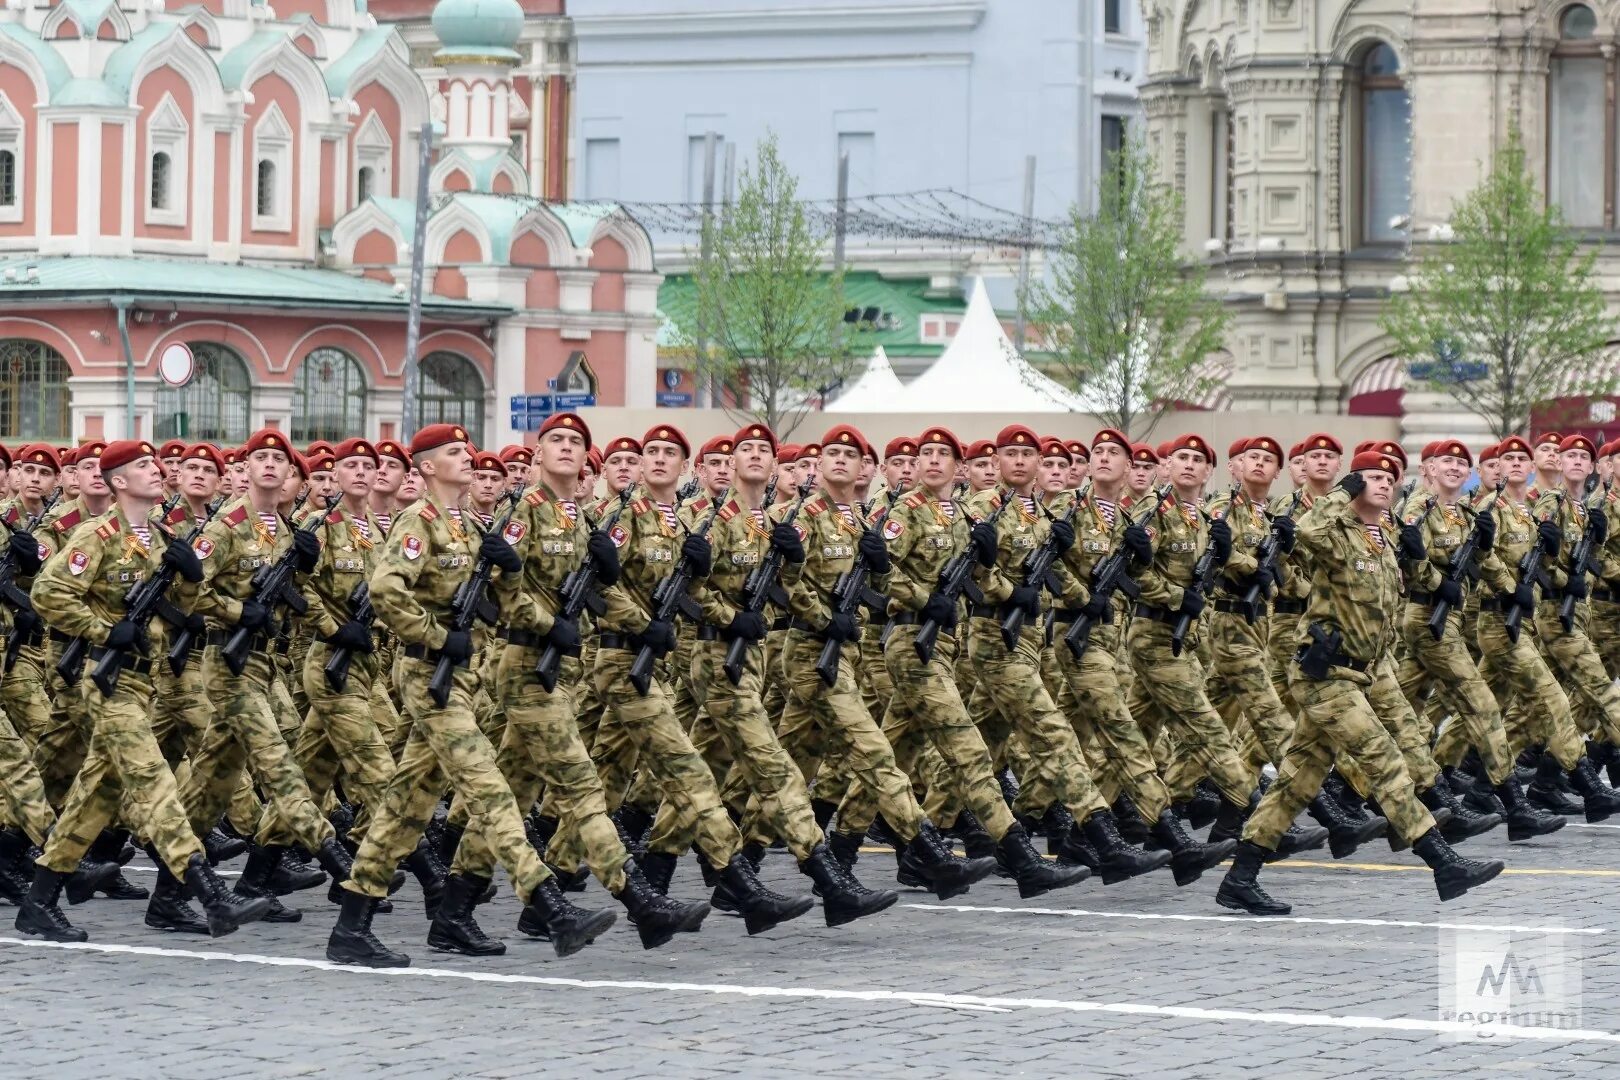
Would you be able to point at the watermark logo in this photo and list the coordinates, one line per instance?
(1493, 982)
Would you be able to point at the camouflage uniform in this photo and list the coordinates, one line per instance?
(1571, 651)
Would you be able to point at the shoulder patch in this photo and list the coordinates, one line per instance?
(728, 511)
(915, 499)
(892, 529)
(108, 529)
(335, 517)
(412, 547)
(429, 512)
(537, 497)
(77, 561)
(236, 516)
(699, 504)
(11, 515)
(67, 521)
(178, 516)
(641, 506)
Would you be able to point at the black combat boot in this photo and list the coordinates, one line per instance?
(1188, 858)
(1035, 875)
(444, 837)
(633, 823)
(823, 811)
(224, 909)
(1525, 821)
(1240, 888)
(82, 884)
(1009, 787)
(352, 941)
(657, 918)
(341, 819)
(1599, 800)
(1131, 824)
(168, 909)
(929, 861)
(424, 865)
(976, 839)
(1205, 805)
(255, 882)
(1229, 819)
(1549, 792)
(1348, 798)
(761, 909)
(339, 864)
(454, 929)
(846, 848)
(1057, 825)
(1453, 874)
(843, 899)
(1118, 860)
(1460, 782)
(38, 914)
(222, 848)
(14, 845)
(568, 928)
(1345, 833)
(13, 886)
(659, 869)
(1459, 822)
(1300, 838)
(109, 848)
(292, 873)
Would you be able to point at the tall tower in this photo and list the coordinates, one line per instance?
(476, 39)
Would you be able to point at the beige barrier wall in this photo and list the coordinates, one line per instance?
(1220, 428)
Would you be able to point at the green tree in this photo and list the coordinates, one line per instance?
(1507, 314)
(1123, 315)
(767, 328)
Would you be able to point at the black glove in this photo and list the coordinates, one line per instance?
(1600, 526)
(1192, 603)
(605, 556)
(1098, 609)
(1524, 596)
(984, 543)
(1485, 524)
(25, 553)
(1578, 586)
(1139, 544)
(785, 538)
(1220, 538)
(1027, 597)
(659, 637)
(1449, 591)
(121, 636)
(748, 625)
(874, 552)
(254, 615)
(458, 646)
(698, 555)
(1353, 484)
(564, 634)
(308, 551)
(499, 553)
(1551, 535)
(1287, 531)
(179, 556)
(354, 636)
(939, 609)
(1410, 547)
(1062, 537)
(841, 627)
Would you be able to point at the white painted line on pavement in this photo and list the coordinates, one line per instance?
(971, 1001)
(1254, 920)
(153, 870)
(1588, 825)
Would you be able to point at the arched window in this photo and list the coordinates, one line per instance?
(33, 392)
(450, 392)
(160, 181)
(362, 184)
(1386, 135)
(215, 406)
(1578, 176)
(330, 399)
(265, 195)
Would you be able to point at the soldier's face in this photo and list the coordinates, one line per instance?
(562, 452)
(1142, 475)
(1490, 472)
(661, 463)
(622, 469)
(486, 486)
(714, 472)
(587, 484)
(91, 482)
(1054, 474)
(900, 472)
(450, 465)
(1380, 489)
(291, 486)
(390, 475)
(1547, 457)
(1577, 465)
(410, 488)
(322, 486)
(752, 461)
(1516, 466)
(1188, 469)
(869, 469)
(355, 476)
(36, 480)
(237, 475)
(140, 479)
(936, 466)
(70, 481)
(787, 476)
(1079, 469)
(1296, 470)
(199, 479)
(267, 469)
(840, 465)
(171, 472)
(981, 473)
(1259, 467)
(1017, 464)
(1322, 465)
(517, 474)
(1108, 463)
(809, 468)
(1450, 471)
(1605, 468)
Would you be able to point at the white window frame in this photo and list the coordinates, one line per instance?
(374, 150)
(272, 141)
(168, 133)
(11, 139)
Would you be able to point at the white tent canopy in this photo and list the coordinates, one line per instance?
(980, 371)
(877, 389)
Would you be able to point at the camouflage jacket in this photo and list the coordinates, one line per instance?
(427, 555)
(1355, 582)
(1018, 533)
(649, 547)
(740, 543)
(80, 590)
(830, 534)
(1444, 531)
(1570, 515)
(1179, 534)
(1250, 526)
(923, 535)
(1515, 535)
(550, 534)
(232, 548)
(348, 556)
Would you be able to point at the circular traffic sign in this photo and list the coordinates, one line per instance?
(176, 364)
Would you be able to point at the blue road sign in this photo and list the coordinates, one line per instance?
(674, 401)
(565, 402)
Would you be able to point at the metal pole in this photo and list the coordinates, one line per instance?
(731, 179)
(1023, 254)
(121, 304)
(710, 393)
(841, 221)
(413, 320)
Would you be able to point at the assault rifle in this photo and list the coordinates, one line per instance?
(1580, 561)
(849, 593)
(10, 594)
(184, 640)
(1529, 572)
(1110, 576)
(1203, 579)
(1462, 565)
(272, 586)
(667, 597)
(1036, 569)
(578, 593)
(761, 586)
(469, 603)
(954, 579)
(1259, 589)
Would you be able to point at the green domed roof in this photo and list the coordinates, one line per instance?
(483, 28)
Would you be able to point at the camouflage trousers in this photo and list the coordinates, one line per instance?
(1446, 668)
(541, 750)
(1584, 677)
(1524, 685)
(933, 737)
(444, 747)
(1169, 696)
(778, 804)
(180, 715)
(124, 776)
(1409, 731)
(1010, 688)
(1100, 716)
(341, 735)
(837, 718)
(22, 793)
(1243, 675)
(1603, 631)
(244, 732)
(1336, 717)
(690, 799)
(58, 748)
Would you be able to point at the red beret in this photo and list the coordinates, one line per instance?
(125, 451)
(349, 448)
(5, 457)
(1162, 451)
(754, 433)
(1577, 442)
(1369, 460)
(436, 435)
(40, 454)
(900, 447)
(1454, 448)
(1237, 447)
(1550, 437)
(205, 452)
(301, 463)
(938, 436)
(1297, 450)
(1321, 441)
(1111, 436)
(1269, 445)
(1142, 452)
(813, 449)
(1393, 449)
(231, 454)
(516, 452)
(390, 448)
(593, 459)
(567, 421)
(1052, 446)
(1017, 435)
(319, 446)
(1514, 444)
(787, 453)
(981, 448)
(1078, 449)
(172, 448)
(485, 461)
(89, 451)
(1365, 444)
(720, 444)
(68, 456)
(667, 433)
(624, 444)
(1490, 453)
(1194, 443)
(1429, 450)
(267, 439)
(323, 460)
(839, 435)
(1609, 448)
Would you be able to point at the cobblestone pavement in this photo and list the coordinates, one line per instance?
(1139, 979)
